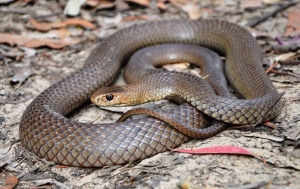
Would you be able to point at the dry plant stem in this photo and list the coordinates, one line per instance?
(263, 18)
(271, 67)
(284, 73)
(290, 62)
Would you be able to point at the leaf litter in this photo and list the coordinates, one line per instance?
(169, 169)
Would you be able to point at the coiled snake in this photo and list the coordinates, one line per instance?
(45, 131)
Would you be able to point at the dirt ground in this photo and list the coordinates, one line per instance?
(34, 55)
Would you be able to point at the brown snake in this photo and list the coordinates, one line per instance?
(140, 70)
(45, 131)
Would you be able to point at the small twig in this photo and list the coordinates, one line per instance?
(271, 67)
(97, 118)
(284, 73)
(257, 21)
(290, 62)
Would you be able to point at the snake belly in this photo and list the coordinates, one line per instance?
(45, 131)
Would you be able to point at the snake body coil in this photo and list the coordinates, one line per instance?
(45, 131)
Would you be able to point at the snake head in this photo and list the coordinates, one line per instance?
(113, 96)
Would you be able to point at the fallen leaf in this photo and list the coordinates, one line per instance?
(40, 26)
(272, 1)
(137, 17)
(12, 53)
(270, 124)
(93, 3)
(192, 8)
(256, 33)
(216, 150)
(32, 42)
(46, 26)
(21, 75)
(281, 57)
(61, 166)
(10, 182)
(250, 4)
(176, 67)
(184, 182)
(81, 22)
(73, 7)
(161, 5)
(145, 3)
(121, 5)
(4, 2)
(110, 21)
(29, 52)
(293, 24)
(28, 1)
(105, 5)
(179, 3)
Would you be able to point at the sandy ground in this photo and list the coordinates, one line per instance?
(279, 167)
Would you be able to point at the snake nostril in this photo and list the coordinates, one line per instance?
(109, 97)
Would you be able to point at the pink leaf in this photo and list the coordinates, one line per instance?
(216, 150)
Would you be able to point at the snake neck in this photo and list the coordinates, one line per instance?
(185, 86)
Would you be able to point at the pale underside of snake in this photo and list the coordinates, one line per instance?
(45, 131)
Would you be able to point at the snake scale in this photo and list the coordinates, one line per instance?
(45, 131)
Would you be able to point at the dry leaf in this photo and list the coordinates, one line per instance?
(145, 3)
(73, 7)
(161, 5)
(281, 57)
(216, 150)
(179, 3)
(3, 2)
(100, 4)
(178, 67)
(46, 26)
(184, 182)
(121, 5)
(81, 22)
(192, 8)
(137, 17)
(21, 75)
(105, 5)
(28, 51)
(293, 24)
(272, 1)
(40, 26)
(93, 3)
(32, 42)
(250, 4)
(10, 182)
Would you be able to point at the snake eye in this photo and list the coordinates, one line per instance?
(109, 97)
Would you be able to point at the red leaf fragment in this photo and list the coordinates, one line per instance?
(216, 150)
(35, 42)
(293, 24)
(46, 26)
(10, 182)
